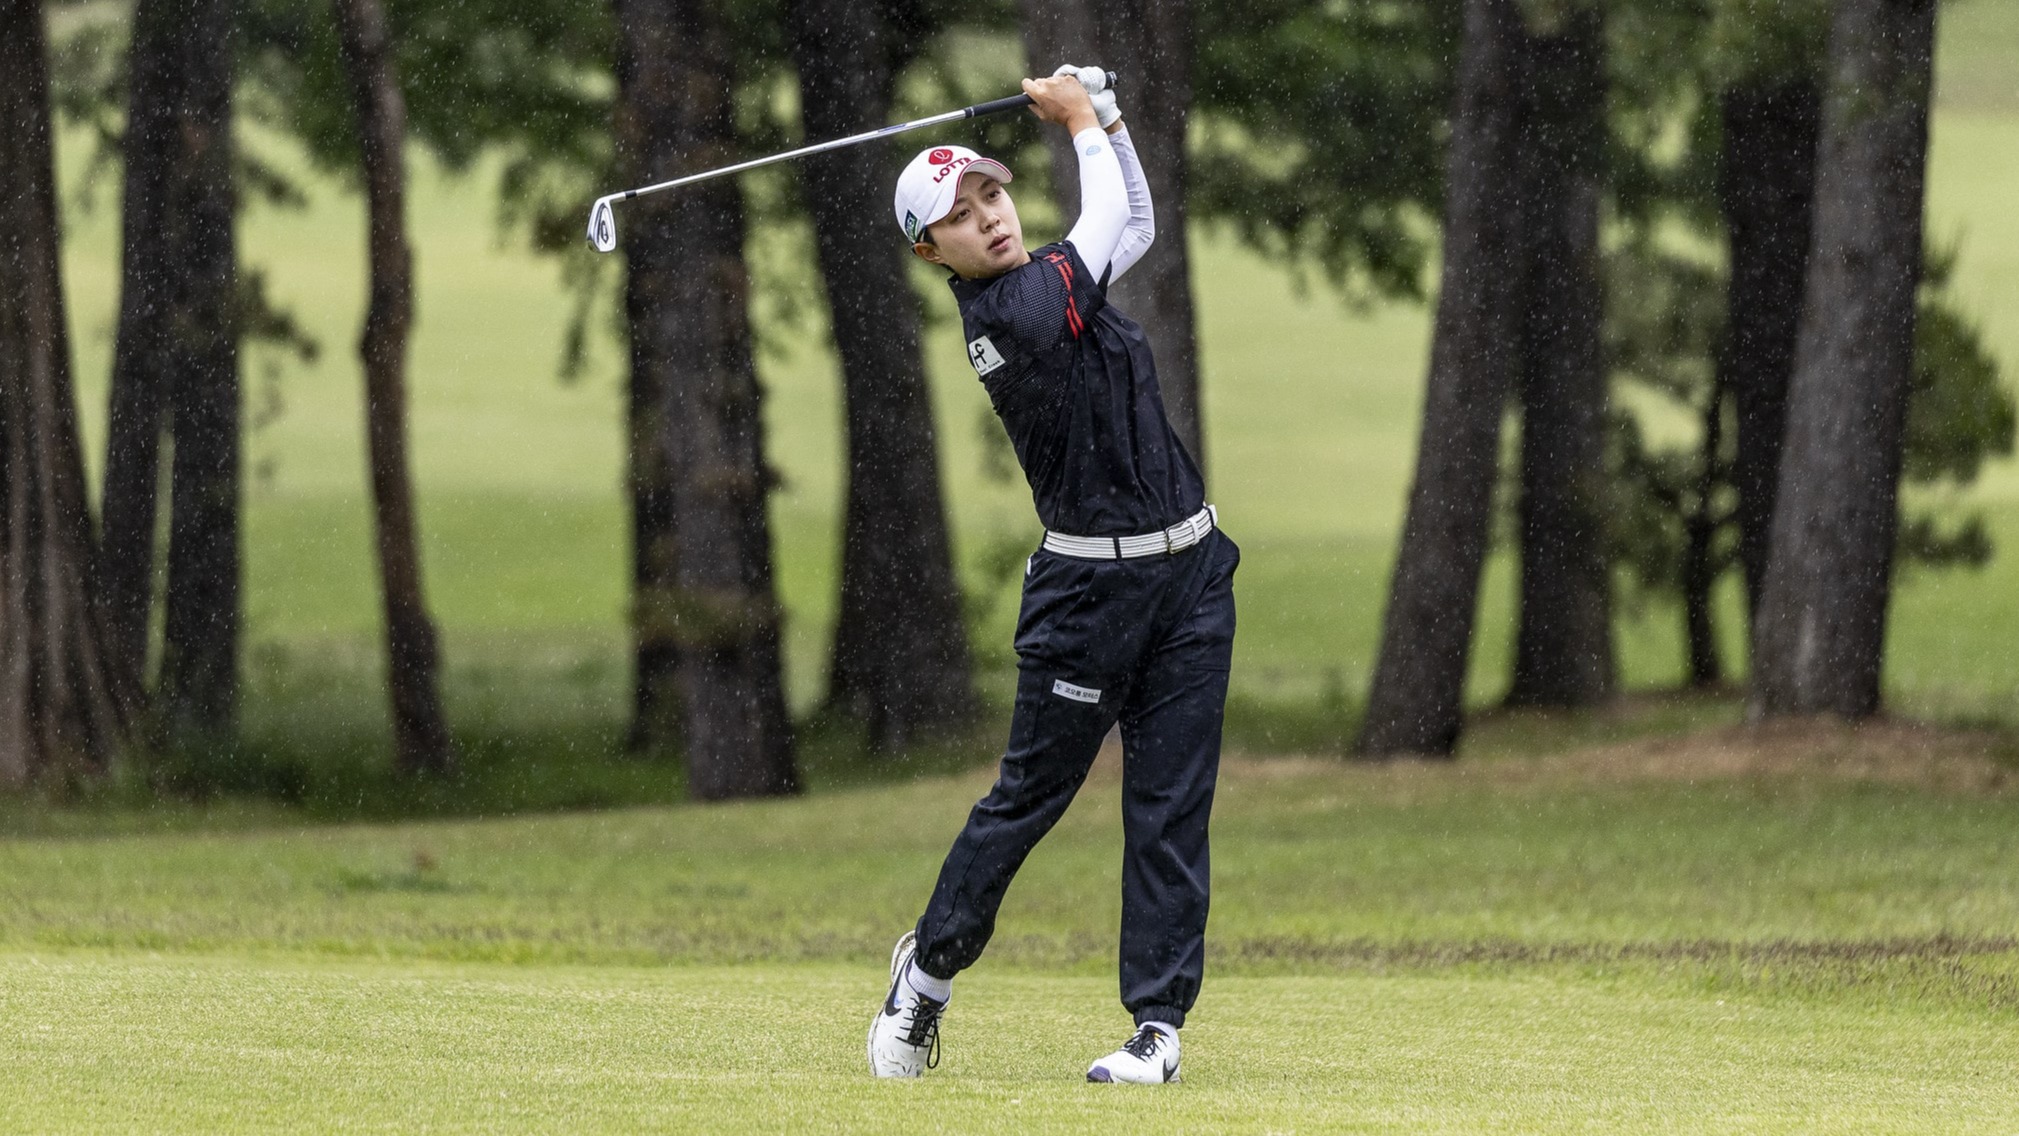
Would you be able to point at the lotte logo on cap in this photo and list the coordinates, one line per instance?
(940, 157)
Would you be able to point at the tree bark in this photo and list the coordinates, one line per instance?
(706, 600)
(1766, 190)
(1563, 646)
(646, 92)
(421, 742)
(1819, 639)
(1057, 32)
(900, 659)
(184, 280)
(1701, 564)
(64, 704)
(177, 155)
(1148, 43)
(1416, 705)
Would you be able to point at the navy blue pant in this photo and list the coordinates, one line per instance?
(1146, 641)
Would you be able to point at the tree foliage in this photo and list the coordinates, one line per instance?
(1663, 330)
(1322, 131)
(1666, 311)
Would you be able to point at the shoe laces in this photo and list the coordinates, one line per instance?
(1145, 1043)
(921, 1028)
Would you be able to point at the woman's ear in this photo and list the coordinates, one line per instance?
(928, 253)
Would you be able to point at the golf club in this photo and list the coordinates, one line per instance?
(602, 216)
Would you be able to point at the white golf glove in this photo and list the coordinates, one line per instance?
(1095, 81)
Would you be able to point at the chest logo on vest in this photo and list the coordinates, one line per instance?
(1064, 689)
(984, 356)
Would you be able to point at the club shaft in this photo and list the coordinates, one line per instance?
(975, 111)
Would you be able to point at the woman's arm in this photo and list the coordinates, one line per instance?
(1141, 231)
(1104, 202)
(1116, 222)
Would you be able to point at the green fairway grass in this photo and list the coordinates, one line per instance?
(1809, 932)
(1519, 844)
(110, 1043)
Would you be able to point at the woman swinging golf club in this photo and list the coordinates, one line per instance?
(1128, 607)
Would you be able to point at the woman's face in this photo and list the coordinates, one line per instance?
(980, 237)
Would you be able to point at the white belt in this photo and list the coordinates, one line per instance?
(1177, 538)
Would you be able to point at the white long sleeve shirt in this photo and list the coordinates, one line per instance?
(1117, 221)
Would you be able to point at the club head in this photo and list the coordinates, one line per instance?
(603, 226)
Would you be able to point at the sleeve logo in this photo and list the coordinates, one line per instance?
(983, 355)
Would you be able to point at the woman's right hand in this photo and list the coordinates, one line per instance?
(1061, 99)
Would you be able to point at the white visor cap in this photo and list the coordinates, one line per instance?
(927, 187)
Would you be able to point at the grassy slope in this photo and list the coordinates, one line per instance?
(1625, 940)
(1317, 868)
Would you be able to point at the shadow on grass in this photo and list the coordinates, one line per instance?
(1328, 726)
(537, 730)
(540, 728)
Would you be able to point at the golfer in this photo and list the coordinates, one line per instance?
(1128, 607)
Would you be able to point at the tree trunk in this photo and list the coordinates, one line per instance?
(63, 702)
(655, 703)
(1766, 190)
(1701, 566)
(1148, 43)
(707, 599)
(1819, 639)
(1416, 705)
(421, 741)
(900, 658)
(1563, 648)
(177, 152)
(1057, 32)
(192, 289)
(651, 252)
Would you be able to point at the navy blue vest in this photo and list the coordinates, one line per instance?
(1072, 379)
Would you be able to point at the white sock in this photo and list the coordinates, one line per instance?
(1168, 1029)
(937, 989)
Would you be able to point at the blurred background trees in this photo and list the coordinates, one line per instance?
(1416, 705)
(1628, 213)
(175, 372)
(900, 661)
(705, 612)
(421, 742)
(1820, 629)
(65, 702)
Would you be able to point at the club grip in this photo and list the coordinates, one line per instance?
(1015, 102)
(998, 106)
